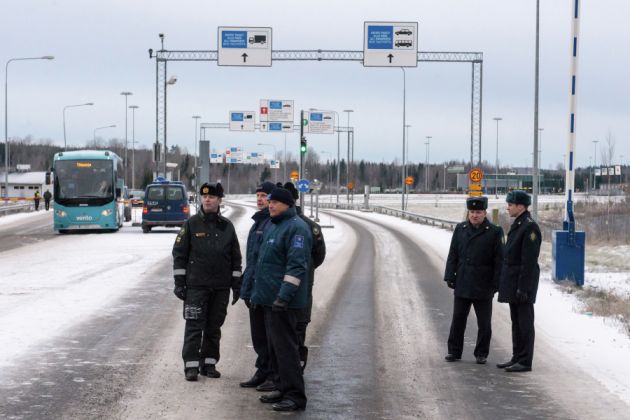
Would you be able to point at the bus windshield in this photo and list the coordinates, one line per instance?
(84, 181)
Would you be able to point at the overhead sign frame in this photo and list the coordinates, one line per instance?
(244, 46)
(276, 115)
(319, 122)
(390, 44)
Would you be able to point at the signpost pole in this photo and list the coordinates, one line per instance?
(301, 155)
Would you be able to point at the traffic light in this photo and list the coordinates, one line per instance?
(303, 145)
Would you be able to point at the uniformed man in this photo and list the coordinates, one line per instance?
(206, 265)
(282, 289)
(36, 198)
(318, 254)
(47, 197)
(473, 268)
(519, 280)
(262, 220)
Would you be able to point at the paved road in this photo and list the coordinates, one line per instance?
(377, 345)
(35, 228)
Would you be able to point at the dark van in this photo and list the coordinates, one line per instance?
(165, 204)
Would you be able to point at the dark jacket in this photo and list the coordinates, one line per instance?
(474, 260)
(283, 261)
(318, 254)
(207, 252)
(47, 195)
(262, 221)
(520, 260)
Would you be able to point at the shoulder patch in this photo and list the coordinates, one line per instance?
(316, 230)
(533, 236)
(181, 233)
(298, 241)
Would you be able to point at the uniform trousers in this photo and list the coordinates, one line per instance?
(522, 315)
(461, 309)
(283, 354)
(259, 339)
(204, 312)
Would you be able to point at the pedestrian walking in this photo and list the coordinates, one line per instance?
(473, 269)
(281, 288)
(262, 378)
(206, 265)
(36, 197)
(318, 254)
(47, 197)
(519, 280)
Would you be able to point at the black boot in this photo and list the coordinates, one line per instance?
(272, 397)
(505, 364)
(191, 374)
(256, 380)
(266, 386)
(210, 371)
(452, 358)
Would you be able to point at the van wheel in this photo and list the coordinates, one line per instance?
(146, 229)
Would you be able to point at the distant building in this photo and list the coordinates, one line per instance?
(24, 184)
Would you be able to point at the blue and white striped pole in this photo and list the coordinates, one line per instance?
(568, 246)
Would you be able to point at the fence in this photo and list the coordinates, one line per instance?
(15, 208)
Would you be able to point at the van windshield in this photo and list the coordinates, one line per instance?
(158, 193)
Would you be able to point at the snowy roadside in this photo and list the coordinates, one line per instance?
(596, 344)
(12, 218)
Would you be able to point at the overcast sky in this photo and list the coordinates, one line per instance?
(100, 49)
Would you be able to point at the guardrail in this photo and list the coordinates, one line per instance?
(15, 208)
(405, 215)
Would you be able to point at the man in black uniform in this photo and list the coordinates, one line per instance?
(519, 280)
(473, 269)
(262, 220)
(206, 265)
(318, 254)
(47, 197)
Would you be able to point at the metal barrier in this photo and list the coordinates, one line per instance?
(15, 208)
(405, 215)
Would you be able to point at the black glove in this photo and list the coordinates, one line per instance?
(180, 292)
(279, 305)
(521, 296)
(247, 303)
(450, 284)
(236, 293)
(180, 280)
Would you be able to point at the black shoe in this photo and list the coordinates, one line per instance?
(285, 405)
(191, 374)
(451, 358)
(517, 367)
(253, 382)
(272, 397)
(210, 371)
(481, 360)
(505, 364)
(266, 386)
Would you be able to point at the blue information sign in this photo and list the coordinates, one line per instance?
(317, 116)
(275, 104)
(237, 116)
(303, 185)
(380, 37)
(234, 39)
(275, 126)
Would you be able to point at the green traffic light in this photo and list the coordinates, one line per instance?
(303, 148)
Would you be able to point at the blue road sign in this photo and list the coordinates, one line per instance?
(237, 116)
(234, 39)
(380, 37)
(303, 185)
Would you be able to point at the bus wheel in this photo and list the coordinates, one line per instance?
(146, 229)
(63, 231)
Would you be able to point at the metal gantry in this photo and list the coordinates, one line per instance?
(162, 57)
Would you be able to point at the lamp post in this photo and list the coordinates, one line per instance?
(6, 116)
(404, 116)
(406, 158)
(196, 118)
(171, 82)
(496, 162)
(595, 165)
(275, 153)
(133, 145)
(65, 144)
(540, 130)
(101, 128)
(329, 172)
(126, 95)
(348, 111)
(536, 166)
(426, 178)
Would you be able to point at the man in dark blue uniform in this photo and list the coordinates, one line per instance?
(473, 268)
(281, 288)
(519, 280)
(256, 313)
(206, 265)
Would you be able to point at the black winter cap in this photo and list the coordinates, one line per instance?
(518, 197)
(289, 186)
(282, 195)
(265, 187)
(477, 203)
(211, 189)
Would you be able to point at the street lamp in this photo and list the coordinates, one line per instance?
(496, 163)
(196, 118)
(348, 111)
(595, 164)
(133, 145)
(406, 159)
(426, 178)
(275, 153)
(65, 144)
(171, 82)
(323, 152)
(404, 168)
(6, 117)
(101, 128)
(126, 95)
(540, 130)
